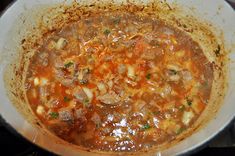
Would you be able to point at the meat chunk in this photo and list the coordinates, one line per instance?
(65, 72)
(43, 58)
(90, 33)
(187, 76)
(66, 115)
(79, 94)
(60, 128)
(63, 78)
(96, 119)
(121, 69)
(110, 98)
(80, 113)
(83, 75)
(149, 54)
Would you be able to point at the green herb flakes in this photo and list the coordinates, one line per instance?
(86, 102)
(107, 31)
(66, 99)
(68, 64)
(174, 72)
(148, 76)
(182, 108)
(117, 20)
(54, 115)
(189, 101)
(146, 126)
(180, 130)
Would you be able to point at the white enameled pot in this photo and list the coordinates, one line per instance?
(217, 12)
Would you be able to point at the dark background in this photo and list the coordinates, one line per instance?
(14, 145)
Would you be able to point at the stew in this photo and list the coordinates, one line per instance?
(117, 81)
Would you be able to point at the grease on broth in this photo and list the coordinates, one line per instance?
(117, 81)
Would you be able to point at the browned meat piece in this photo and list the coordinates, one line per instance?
(80, 114)
(43, 58)
(90, 33)
(79, 94)
(83, 75)
(96, 119)
(65, 73)
(63, 78)
(121, 69)
(66, 115)
(110, 98)
(60, 128)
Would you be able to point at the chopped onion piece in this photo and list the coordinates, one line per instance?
(187, 117)
(121, 69)
(88, 93)
(109, 98)
(101, 87)
(166, 91)
(36, 81)
(40, 110)
(110, 84)
(174, 78)
(61, 43)
(130, 72)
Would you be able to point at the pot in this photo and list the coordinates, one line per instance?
(14, 24)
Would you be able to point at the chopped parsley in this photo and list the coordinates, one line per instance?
(205, 84)
(182, 108)
(54, 115)
(148, 76)
(97, 125)
(83, 81)
(173, 71)
(86, 102)
(217, 51)
(189, 101)
(68, 64)
(107, 31)
(117, 20)
(86, 70)
(180, 130)
(66, 99)
(156, 112)
(146, 126)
